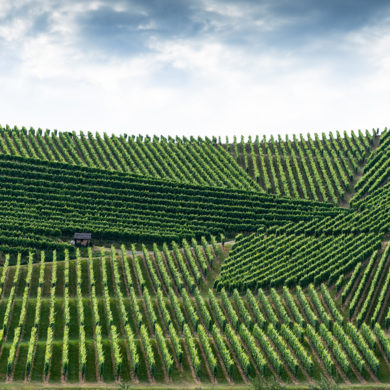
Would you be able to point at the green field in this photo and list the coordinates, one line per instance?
(214, 263)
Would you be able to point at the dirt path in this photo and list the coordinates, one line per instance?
(206, 363)
(5, 282)
(325, 306)
(10, 379)
(122, 325)
(164, 288)
(301, 366)
(144, 265)
(356, 372)
(287, 369)
(186, 352)
(364, 292)
(384, 306)
(151, 327)
(371, 373)
(5, 336)
(304, 371)
(381, 350)
(315, 355)
(174, 286)
(377, 290)
(181, 270)
(132, 315)
(189, 266)
(353, 289)
(194, 331)
(366, 288)
(179, 366)
(352, 365)
(106, 320)
(221, 362)
(286, 306)
(212, 379)
(335, 362)
(239, 368)
(94, 327)
(28, 377)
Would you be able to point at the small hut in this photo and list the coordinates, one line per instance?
(83, 239)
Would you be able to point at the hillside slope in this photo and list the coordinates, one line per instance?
(63, 199)
(324, 168)
(133, 318)
(299, 293)
(193, 161)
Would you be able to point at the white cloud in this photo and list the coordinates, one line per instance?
(14, 30)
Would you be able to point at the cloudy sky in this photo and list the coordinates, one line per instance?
(201, 67)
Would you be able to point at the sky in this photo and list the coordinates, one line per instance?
(187, 67)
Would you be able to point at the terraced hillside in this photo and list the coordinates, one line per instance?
(187, 161)
(55, 199)
(213, 264)
(324, 168)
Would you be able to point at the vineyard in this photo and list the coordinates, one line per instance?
(214, 261)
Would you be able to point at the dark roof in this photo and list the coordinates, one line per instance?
(82, 236)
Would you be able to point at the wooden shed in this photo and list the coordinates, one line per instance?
(83, 239)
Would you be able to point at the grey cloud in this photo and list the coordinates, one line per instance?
(128, 31)
(125, 28)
